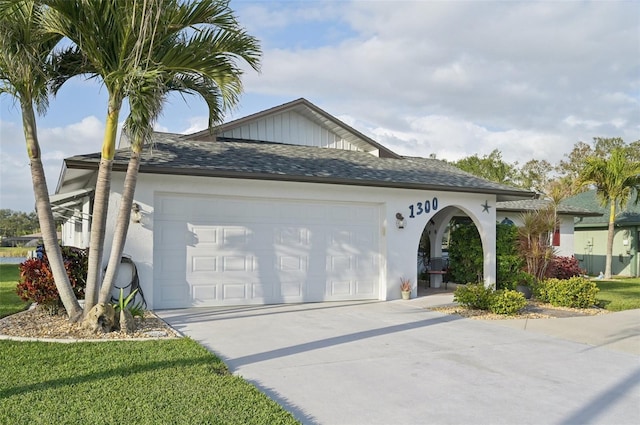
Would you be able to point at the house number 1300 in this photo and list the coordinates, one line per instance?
(419, 208)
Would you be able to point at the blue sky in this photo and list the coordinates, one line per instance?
(450, 78)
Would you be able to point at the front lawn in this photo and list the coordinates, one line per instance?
(619, 294)
(9, 301)
(138, 382)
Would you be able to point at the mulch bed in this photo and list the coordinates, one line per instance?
(533, 310)
(37, 323)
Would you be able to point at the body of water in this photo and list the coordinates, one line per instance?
(12, 260)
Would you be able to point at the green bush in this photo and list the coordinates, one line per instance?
(465, 254)
(508, 268)
(473, 295)
(507, 302)
(576, 292)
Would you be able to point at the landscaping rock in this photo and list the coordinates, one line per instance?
(101, 318)
(127, 323)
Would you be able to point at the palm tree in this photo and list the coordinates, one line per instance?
(203, 65)
(615, 179)
(534, 240)
(25, 54)
(120, 39)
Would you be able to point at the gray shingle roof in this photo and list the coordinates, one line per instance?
(537, 204)
(171, 154)
(629, 216)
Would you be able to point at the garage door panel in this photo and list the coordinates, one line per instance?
(234, 291)
(204, 294)
(204, 264)
(366, 287)
(249, 251)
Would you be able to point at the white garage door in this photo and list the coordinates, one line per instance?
(228, 251)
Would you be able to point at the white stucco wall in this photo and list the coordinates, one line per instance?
(566, 248)
(398, 246)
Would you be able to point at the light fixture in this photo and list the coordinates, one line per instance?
(136, 213)
(399, 221)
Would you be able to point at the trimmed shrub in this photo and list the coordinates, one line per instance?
(465, 254)
(578, 292)
(37, 284)
(473, 295)
(507, 268)
(507, 302)
(564, 268)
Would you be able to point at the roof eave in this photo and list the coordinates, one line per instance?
(117, 166)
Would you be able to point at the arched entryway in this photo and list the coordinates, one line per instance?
(433, 261)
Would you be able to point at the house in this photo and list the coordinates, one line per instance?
(591, 236)
(287, 205)
(563, 238)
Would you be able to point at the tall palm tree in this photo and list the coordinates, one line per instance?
(118, 40)
(615, 179)
(202, 64)
(25, 53)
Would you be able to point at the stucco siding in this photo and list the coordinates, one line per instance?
(398, 247)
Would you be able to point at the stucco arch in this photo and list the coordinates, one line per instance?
(436, 225)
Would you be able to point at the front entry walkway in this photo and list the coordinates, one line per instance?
(398, 363)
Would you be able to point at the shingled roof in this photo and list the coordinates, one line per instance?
(232, 158)
(538, 204)
(629, 216)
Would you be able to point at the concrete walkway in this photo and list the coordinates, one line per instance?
(399, 363)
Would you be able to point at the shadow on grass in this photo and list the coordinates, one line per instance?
(115, 372)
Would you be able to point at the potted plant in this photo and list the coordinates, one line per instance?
(405, 288)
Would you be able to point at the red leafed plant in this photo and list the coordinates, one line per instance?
(564, 268)
(37, 284)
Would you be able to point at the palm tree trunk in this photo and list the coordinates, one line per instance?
(610, 234)
(122, 226)
(45, 216)
(101, 207)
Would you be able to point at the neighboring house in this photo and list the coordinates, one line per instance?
(24, 240)
(284, 206)
(563, 238)
(591, 237)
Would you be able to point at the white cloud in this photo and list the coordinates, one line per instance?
(196, 124)
(450, 78)
(560, 70)
(16, 189)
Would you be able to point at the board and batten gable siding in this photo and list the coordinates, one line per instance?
(290, 128)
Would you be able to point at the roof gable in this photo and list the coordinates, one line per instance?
(297, 123)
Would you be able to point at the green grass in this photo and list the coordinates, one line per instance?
(14, 252)
(10, 303)
(139, 382)
(619, 294)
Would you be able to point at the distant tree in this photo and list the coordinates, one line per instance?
(491, 167)
(602, 147)
(569, 169)
(17, 223)
(616, 178)
(534, 175)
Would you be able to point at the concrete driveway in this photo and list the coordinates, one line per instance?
(398, 363)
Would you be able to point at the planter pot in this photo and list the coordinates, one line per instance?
(524, 290)
(406, 295)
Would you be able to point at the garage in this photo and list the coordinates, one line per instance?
(287, 205)
(215, 250)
